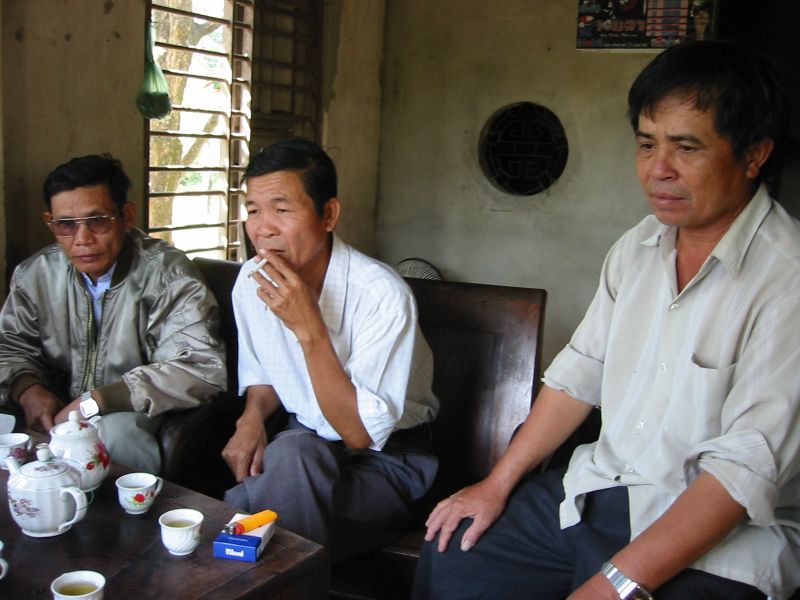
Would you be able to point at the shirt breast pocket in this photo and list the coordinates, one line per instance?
(694, 413)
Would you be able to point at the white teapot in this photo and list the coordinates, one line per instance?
(44, 495)
(78, 442)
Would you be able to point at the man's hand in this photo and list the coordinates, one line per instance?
(40, 406)
(289, 297)
(63, 414)
(244, 452)
(482, 502)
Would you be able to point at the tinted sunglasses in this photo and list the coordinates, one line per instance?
(68, 227)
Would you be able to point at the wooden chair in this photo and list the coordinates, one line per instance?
(486, 342)
(191, 441)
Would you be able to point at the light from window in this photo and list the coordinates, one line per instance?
(198, 152)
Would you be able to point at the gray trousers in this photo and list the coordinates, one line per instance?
(526, 555)
(349, 501)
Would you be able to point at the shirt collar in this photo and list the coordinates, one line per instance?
(334, 288)
(731, 249)
(103, 282)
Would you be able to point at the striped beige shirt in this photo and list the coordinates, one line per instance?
(705, 379)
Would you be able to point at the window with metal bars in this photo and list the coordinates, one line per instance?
(287, 57)
(197, 153)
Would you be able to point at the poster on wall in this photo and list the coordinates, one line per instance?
(643, 24)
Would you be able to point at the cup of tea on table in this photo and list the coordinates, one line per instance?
(137, 491)
(78, 585)
(180, 530)
(15, 445)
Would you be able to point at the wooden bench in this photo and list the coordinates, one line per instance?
(486, 342)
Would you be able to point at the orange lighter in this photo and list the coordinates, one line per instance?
(249, 523)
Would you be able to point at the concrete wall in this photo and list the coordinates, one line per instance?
(448, 66)
(351, 99)
(70, 71)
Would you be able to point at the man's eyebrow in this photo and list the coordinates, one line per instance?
(678, 137)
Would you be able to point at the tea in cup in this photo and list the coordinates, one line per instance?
(137, 491)
(78, 585)
(180, 530)
(15, 445)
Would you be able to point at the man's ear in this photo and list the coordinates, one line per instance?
(330, 213)
(129, 214)
(47, 216)
(756, 155)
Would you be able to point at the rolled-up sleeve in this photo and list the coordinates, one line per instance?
(380, 362)
(758, 449)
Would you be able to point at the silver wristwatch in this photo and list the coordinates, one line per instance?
(626, 587)
(88, 405)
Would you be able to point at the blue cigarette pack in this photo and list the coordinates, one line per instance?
(247, 547)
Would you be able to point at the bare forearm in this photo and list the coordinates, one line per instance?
(553, 418)
(260, 403)
(695, 523)
(335, 392)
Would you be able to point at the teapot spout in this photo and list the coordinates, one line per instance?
(13, 465)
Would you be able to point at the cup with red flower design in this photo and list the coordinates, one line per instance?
(137, 491)
(15, 445)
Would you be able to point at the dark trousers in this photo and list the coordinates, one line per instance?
(525, 554)
(349, 501)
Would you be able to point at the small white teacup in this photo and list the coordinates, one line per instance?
(180, 530)
(16, 445)
(137, 491)
(78, 585)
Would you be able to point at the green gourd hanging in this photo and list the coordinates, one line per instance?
(153, 96)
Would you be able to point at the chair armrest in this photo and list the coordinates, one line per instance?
(191, 443)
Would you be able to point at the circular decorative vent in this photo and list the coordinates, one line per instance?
(523, 149)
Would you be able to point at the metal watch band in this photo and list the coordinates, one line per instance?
(626, 587)
(88, 405)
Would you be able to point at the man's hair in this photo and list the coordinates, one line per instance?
(87, 171)
(307, 159)
(744, 89)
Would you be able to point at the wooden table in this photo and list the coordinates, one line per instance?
(127, 550)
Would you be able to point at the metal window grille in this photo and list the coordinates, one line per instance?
(287, 59)
(197, 154)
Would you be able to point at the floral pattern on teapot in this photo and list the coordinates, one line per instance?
(23, 507)
(100, 458)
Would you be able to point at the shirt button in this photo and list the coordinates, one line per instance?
(640, 425)
(674, 306)
(628, 469)
(662, 366)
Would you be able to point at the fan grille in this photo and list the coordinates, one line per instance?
(418, 268)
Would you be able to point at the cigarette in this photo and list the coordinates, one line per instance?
(260, 264)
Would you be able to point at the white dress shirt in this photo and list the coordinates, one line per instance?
(707, 379)
(371, 316)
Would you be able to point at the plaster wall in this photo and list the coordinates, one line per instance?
(351, 99)
(70, 71)
(448, 66)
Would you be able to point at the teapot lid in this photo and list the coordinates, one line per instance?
(45, 467)
(73, 426)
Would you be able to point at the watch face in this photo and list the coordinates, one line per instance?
(89, 407)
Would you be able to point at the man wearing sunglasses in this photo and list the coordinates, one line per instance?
(107, 320)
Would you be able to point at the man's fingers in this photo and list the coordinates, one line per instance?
(257, 464)
(47, 422)
(473, 534)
